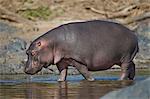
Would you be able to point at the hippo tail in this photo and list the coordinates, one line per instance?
(136, 50)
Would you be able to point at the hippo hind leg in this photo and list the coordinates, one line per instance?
(83, 70)
(131, 71)
(128, 71)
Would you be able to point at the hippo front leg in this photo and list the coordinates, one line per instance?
(63, 75)
(62, 67)
(83, 70)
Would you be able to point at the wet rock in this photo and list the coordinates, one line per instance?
(143, 33)
(12, 63)
(16, 44)
(11, 68)
(11, 57)
(140, 90)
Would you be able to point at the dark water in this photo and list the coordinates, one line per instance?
(47, 87)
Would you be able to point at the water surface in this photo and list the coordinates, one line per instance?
(47, 87)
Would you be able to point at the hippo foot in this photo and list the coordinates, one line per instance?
(60, 80)
(90, 79)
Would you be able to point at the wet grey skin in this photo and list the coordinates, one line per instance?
(88, 46)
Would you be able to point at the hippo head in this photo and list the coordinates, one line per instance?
(40, 54)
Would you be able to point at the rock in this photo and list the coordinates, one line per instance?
(16, 44)
(143, 33)
(12, 63)
(11, 68)
(140, 90)
(12, 51)
(4, 27)
(12, 57)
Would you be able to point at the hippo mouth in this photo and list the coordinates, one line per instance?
(32, 71)
(46, 65)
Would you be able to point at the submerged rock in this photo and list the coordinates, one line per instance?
(140, 90)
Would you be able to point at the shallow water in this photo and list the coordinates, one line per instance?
(47, 87)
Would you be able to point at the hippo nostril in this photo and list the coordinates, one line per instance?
(28, 71)
(34, 63)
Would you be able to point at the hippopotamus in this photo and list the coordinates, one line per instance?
(93, 45)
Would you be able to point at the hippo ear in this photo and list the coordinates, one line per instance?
(39, 43)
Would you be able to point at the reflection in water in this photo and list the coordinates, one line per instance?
(61, 90)
(42, 91)
(94, 90)
(46, 86)
(32, 91)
